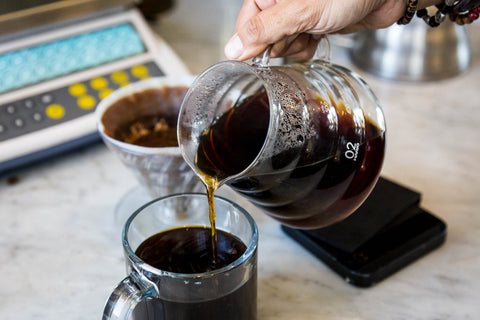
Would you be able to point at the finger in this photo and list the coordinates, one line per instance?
(234, 47)
(266, 28)
(304, 49)
(281, 47)
(352, 28)
(265, 4)
(301, 43)
(249, 9)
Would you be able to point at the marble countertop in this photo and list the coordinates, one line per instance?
(60, 249)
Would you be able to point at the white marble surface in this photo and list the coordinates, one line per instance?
(60, 250)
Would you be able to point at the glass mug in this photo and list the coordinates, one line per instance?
(154, 294)
(304, 142)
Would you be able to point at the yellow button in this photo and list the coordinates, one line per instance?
(99, 83)
(119, 77)
(86, 102)
(77, 89)
(55, 111)
(139, 71)
(104, 93)
(124, 84)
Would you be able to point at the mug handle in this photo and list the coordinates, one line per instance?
(128, 293)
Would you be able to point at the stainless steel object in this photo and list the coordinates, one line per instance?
(16, 16)
(413, 52)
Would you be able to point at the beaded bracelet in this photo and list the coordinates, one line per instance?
(466, 17)
(459, 11)
(409, 13)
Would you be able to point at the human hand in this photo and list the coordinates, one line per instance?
(293, 28)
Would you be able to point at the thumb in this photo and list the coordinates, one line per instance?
(269, 26)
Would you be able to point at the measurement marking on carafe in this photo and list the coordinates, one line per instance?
(352, 151)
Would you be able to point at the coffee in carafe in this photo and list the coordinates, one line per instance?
(304, 142)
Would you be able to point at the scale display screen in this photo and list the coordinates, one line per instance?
(50, 60)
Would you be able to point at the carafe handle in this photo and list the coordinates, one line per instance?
(323, 49)
(322, 53)
(262, 60)
(125, 297)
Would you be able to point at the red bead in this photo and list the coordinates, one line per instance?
(475, 10)
(472, 16)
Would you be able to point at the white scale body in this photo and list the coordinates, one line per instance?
(52, 115)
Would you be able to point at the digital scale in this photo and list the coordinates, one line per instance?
(52, 75)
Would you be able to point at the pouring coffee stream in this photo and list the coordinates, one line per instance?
(304, 142)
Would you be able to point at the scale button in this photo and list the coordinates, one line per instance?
(47, 98)
(29, 104)
(104, 93)
(99, 83)
(55, 111)
(119, 77)
(37, 116)
(140, 71)
(18, 122)
(11, 109)
(77, 89)
(86, 102)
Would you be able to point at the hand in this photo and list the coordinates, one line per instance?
(294, 27)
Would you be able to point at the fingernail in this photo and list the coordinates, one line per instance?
(234, 47)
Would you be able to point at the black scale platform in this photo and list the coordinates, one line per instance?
(389, 231)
